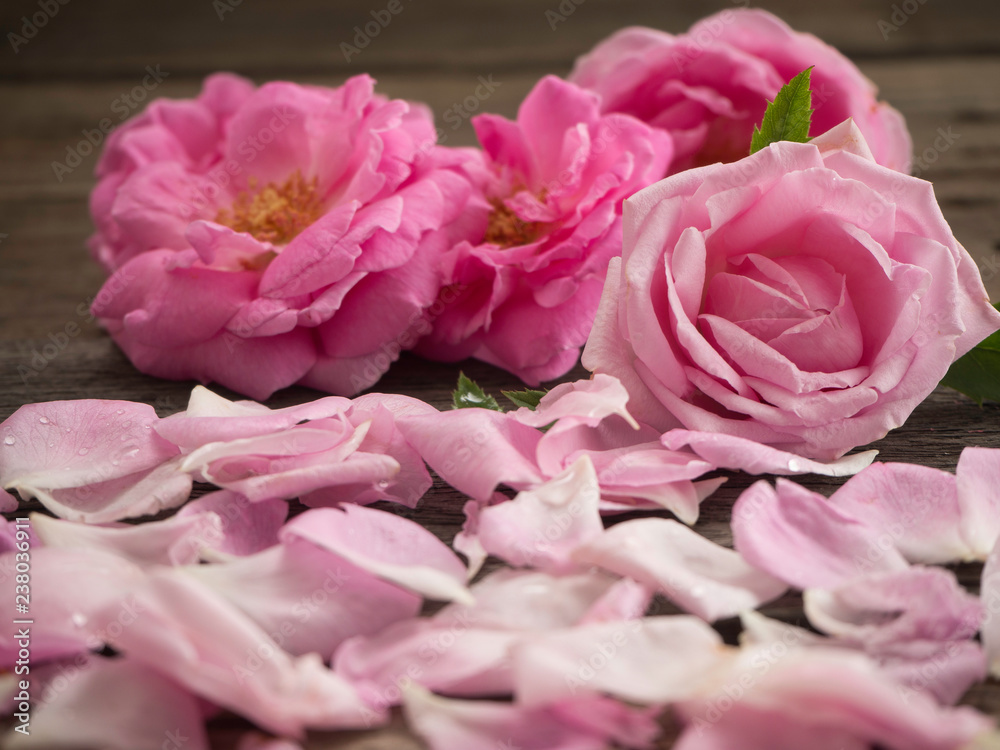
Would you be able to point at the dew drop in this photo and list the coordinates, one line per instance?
(83, 451)
(793, 465)
(79, 620)
(9, 440)
(383, 483)
(120, 411)
(114, 463)
(43, 420)
(698, 591)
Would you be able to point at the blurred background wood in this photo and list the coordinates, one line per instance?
(941, 68)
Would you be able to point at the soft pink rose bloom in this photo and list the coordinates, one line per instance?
(710, 86)
(522, 294)
(804, 297)
(259, 238)
(820, 698)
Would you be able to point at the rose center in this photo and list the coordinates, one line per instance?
(506, 229)
(274, 213)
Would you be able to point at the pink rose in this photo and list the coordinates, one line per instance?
(260, 238)
(709, 87)
(804, 297)
(523, 294)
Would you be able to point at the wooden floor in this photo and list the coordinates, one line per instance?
(941, 68)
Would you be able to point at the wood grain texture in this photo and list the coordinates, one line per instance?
(941, 69)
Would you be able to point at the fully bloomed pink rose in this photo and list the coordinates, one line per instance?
(522, 295)
(710, 86)
(804, 297)
(259, 238)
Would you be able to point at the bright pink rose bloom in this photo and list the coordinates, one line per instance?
(523, 294)
(710, 86)
(804, 297)
(259, 238)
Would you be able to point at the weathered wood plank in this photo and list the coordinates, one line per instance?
(188, 36)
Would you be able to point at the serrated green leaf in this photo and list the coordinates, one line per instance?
(977, 373)
(788, 117)
(529, 397)
(468, 395)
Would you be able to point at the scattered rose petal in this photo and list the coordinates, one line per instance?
(799, 537)
(696, 574)
(113, 704)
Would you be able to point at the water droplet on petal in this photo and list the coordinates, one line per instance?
(698, 592)
(383, 483)
(114, 463)
(9, 440)
(43, 420)
(794, 465)
(83, 451)
(79, 620)
(120, 411)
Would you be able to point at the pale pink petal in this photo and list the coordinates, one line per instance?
(989, 593)
(446, 724)
(978, 480)
(308, 599)
(732, 452)
(216, 652)
(68, 444)
(914, 508)
(210, 418)
(774, 699)
(245, 527)
(475, 450)
(462, 649)
(114, 704)
(8, 503)
(615, 659)
(257, 741)
(696, 574)
(67, 587)
(541, 527)
(143, 493)
(589, 401)
(386, 545)
(798, 537)
(174, 541)
(904, 617)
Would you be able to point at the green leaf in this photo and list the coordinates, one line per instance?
(788, 117)
(977, 374)
(528, 397)
(468, 395)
